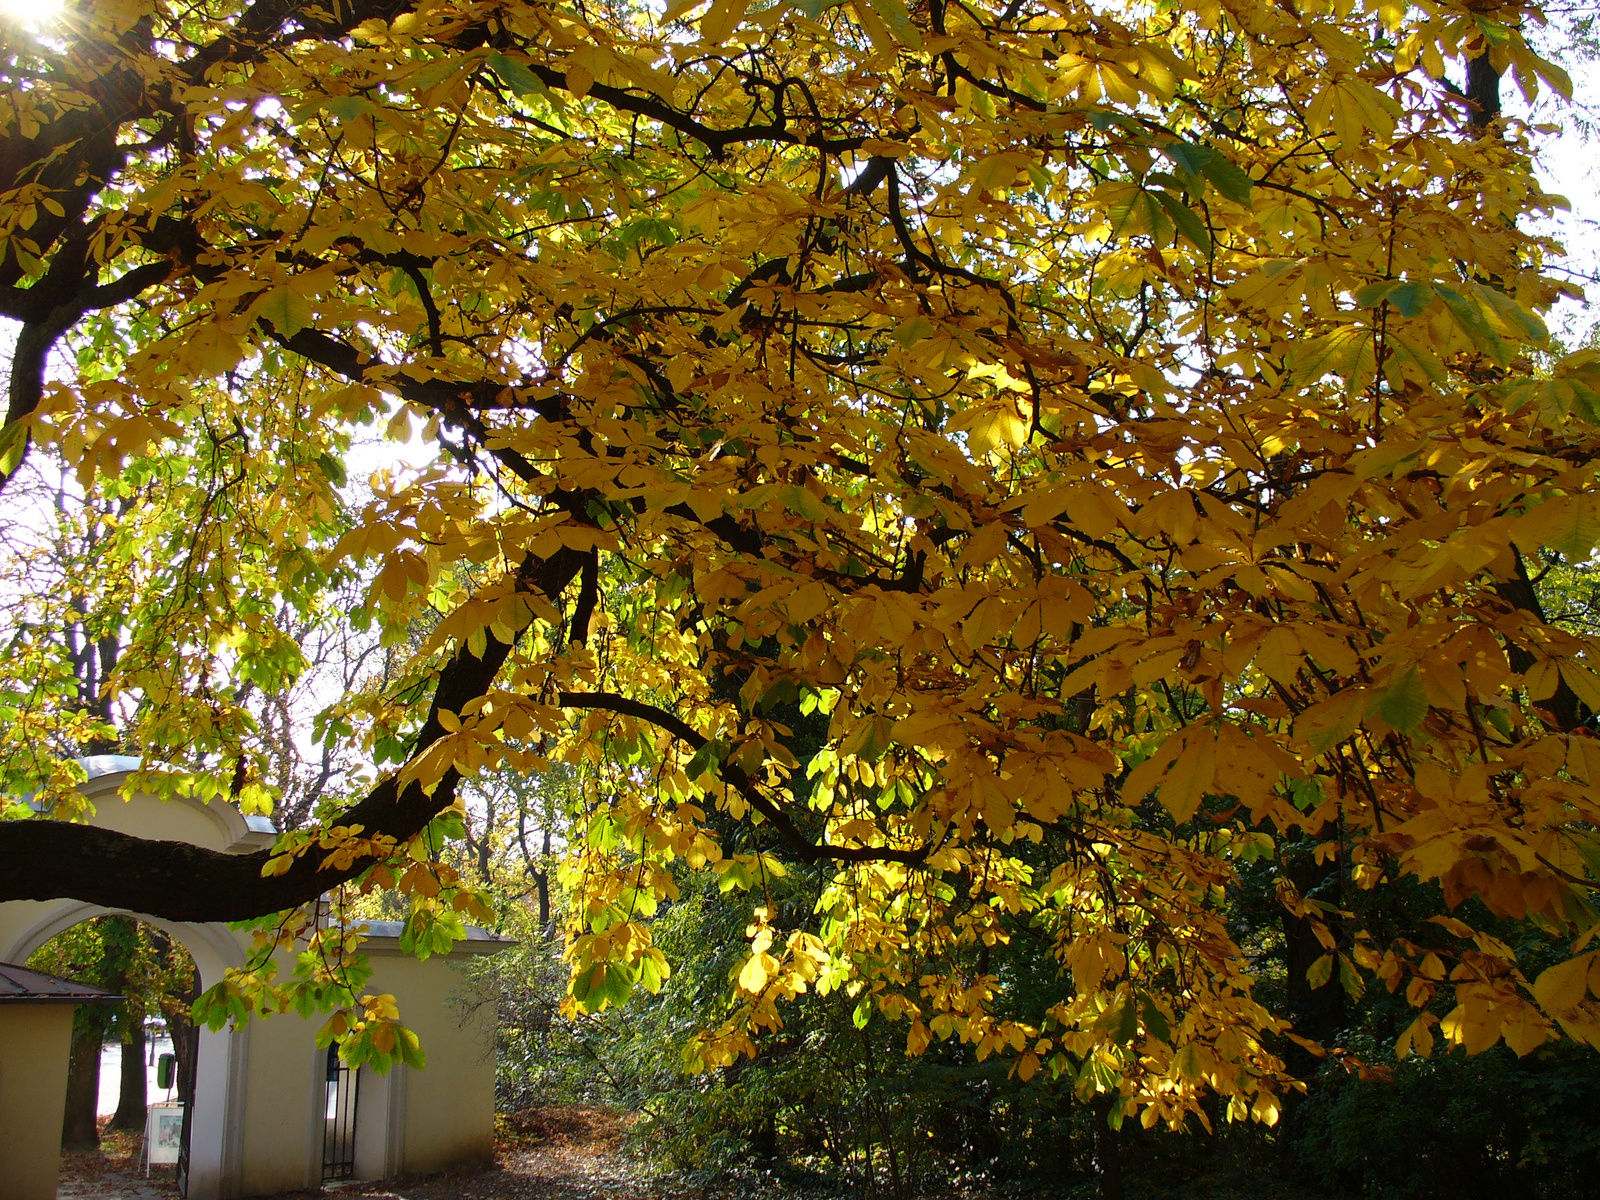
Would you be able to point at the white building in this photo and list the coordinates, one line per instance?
(269, 1114)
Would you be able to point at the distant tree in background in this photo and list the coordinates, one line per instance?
(154, 975)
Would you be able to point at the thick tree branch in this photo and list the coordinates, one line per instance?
(48, 860)
(1564, 707)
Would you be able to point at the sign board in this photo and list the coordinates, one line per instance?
(163, 1133)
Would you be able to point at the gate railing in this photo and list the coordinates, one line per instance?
(339, 1120)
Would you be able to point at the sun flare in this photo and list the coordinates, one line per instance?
(33, 14)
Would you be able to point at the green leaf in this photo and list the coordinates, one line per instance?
(13, 441)
(653, 971)
(603, 830)
(602, 984)
(784, 691)
(1513, 315)
(1498, 718)
(706, 758)
(1155, 1021)
(1350, 978)
(1412, 297)
(287, 309)
(332, 468)
(1189, 157)
(1188, 221)
(516, 76)
(348, 108)
(1127, 1026)
(1137, 212)
(1319, 972)
(1570, 526)
(408, 1049)
(1473, 323)
(1409, 296)
(800, 500)
(1404, 703)
(896, 16)
(1373, 294)
(1228, 179)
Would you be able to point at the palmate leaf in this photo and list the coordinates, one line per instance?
(1404, 703)
(287, 309)
(1229, 179)
(516, 76)
(1410, 297)
(1132, 210)
(1465, 307)
(1347, 353)
(1199, 162)
(1188, 222)
(1189, 157)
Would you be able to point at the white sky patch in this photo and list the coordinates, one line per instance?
(1568, 165)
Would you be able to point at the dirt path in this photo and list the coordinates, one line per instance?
(563, 1152)
(112, 1173)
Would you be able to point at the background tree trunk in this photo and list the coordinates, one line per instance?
(79, 1130)
(1317, 1013)
(134, 1097)
(1107, 1150)
(185, 1037)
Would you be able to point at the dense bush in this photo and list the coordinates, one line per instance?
(1452, 1126)
(833, 1100)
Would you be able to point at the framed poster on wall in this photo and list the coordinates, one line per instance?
(163, 1133)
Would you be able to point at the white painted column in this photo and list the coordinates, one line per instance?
(380, 1123)
(215, 1133)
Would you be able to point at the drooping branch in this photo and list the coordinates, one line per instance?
(738, 779)
(74, 158)
(715, 140)
(48, 860)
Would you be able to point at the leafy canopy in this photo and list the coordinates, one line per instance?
(1103, 439)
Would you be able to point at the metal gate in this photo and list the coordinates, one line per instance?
(186, 1083)
(339, 1120)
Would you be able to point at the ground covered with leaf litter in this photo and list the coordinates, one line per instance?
(112, 1172)
(580, 1152)
(558, 1152)
(570, 1152)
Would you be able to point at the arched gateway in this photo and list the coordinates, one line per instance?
(269, 1115)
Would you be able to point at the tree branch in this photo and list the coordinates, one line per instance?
(177, 881)
(736, 778)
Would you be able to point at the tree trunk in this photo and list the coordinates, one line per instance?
(1317, 1013)
(134, 1097)
(1107, 1149)
(79, 1130)
(185, 1046)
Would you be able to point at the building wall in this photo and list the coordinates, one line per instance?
(407, 1121)
(281, 1130)
(212, 826)
(34, 1041)
(448, 1107)
(258, 1125)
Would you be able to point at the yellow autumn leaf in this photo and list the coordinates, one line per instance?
(1192, 774)
(1564, 985)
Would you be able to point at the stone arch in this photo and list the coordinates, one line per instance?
(215, 1138)
(259, 1117)
(211, 946)
(214, 1141)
